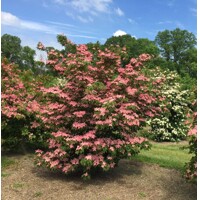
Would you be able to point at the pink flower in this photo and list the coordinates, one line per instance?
(103, 164)
(39, 151)
(39, 164)
(144, 57)
(150, 114)
(131, 91)
(35, 124)
(101, 110)
(66, 168)
(78, 125)
(90, 134)
(73, 103)
(60, 134)
(133, 61)
(88, 157)
(112, 148)
(79, 113)
(85, 174)
(193, 131)
(109, 158)
(112, 165)
(54, 163)
(75, 161)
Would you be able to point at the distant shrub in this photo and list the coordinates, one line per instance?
(170, 124)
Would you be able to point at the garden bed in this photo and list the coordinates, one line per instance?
(130, 180)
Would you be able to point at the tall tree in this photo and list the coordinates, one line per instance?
(173, 44)
(189, 62)
(123, 40)
(134, 46)
(11, 47)
(144, 45)
(27, 57)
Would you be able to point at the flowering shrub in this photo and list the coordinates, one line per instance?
(191, 167)
(94, 111)
(19, 108)
(170, 124)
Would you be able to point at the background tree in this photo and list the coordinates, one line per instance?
(189, 62)
(133, 47)
(23, 56)
(144, 45)
(27, 58)
(11, 47)
(174, 45)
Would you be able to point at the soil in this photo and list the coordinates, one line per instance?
(131, 180)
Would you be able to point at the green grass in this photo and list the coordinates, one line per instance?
(169, 155)
(4, 174)
(18, 185)
(37, 194)
(5, 162)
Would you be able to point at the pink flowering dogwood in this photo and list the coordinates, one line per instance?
(95, 115)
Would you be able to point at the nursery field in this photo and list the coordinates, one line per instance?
(139, 178)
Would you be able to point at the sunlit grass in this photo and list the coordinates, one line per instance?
(169, 155)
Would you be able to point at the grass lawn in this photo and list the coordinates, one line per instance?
(169, 155)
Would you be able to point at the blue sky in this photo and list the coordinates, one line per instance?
(84, 21)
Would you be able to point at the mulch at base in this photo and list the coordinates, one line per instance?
(131, 180)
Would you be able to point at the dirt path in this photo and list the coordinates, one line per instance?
(129, 181)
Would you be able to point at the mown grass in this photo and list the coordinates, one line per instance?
(169, 155)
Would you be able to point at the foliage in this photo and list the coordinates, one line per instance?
(23, 56)
(94, 115)
(189, 62)
(27, 58)
(170, 124)
(191, 167)
(11, 47)
(19, 108)
(134, 47)
(176, 46)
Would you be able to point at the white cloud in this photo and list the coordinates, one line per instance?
(132, 21)
(194, 11)
(62, 2)
(11, 20)
(119, 33)
(54, 28)
(61, 24)
(119, 12)
(86, 10)
(85, 19)
(179, 25)
(91, 6)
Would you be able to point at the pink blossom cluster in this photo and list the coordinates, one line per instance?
(14, 96)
